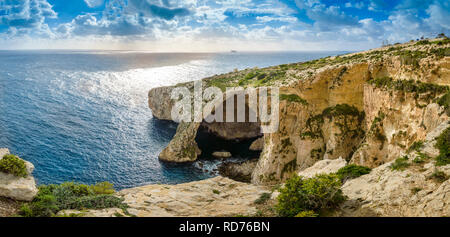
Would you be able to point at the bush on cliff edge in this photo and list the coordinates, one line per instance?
(317, 194)
(71, 196)
(352, 172)
(443, 144)
(12, 164)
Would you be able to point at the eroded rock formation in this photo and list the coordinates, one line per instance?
(367, 108)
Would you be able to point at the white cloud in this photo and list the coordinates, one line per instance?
(358, 5)
(26, 13)
(439, 15)
(222, 22)
(94, 3)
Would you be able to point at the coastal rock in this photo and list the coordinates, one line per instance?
(234, 131)
(183, 147)
(409, 193)
(241, 171)
(216, 197)
(386, 192)
(222, 154)
(257, 145)
(400, 123)
(17, 188)
(323, 167)
(3, 152)
(160, 103)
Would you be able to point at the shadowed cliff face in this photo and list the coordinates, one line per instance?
(184, 147)
(367, 108)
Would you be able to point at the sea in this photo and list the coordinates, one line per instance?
(83, 116)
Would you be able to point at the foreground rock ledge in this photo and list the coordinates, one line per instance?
(216, 197)
(17, 188)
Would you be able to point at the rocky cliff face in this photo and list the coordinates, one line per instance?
(415, 191)
(367, 108)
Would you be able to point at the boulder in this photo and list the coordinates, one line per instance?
(17, 188)
(183, 147)
(323, 167)
(257, 145)
(241, 172)
(160, 103)
(222, 154)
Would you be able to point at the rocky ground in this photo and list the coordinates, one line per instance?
(216, 197)
(8, 207)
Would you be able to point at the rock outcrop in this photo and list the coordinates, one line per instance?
(241, 171)
(217, 197)
(409, 193)
(17, 188)
(412, 192)
(183, 147)
(160, 102)
(323, 167)
(221, 154)
(257, 145)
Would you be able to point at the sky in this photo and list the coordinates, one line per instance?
(218, 25)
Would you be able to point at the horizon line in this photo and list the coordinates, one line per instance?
(150, 51)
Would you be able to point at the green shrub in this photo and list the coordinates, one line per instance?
(416, 146)
(418, 160)
(400, 164)
(410, 86)
(443, 144)
(215, 191)
(307, 214)
(263, 198)
(421, 158)
(439, 176)
(415, 190)
(53, 198)
(101, 201)
(293, 98)
(352, 171)
(12, 164)
(445, 102)
(103, 188)
(423, 42)
(26, 210)
(315, 194)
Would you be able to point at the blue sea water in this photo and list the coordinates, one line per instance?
(83, 115)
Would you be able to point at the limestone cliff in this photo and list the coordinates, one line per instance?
(367, 108)
(421, 189)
